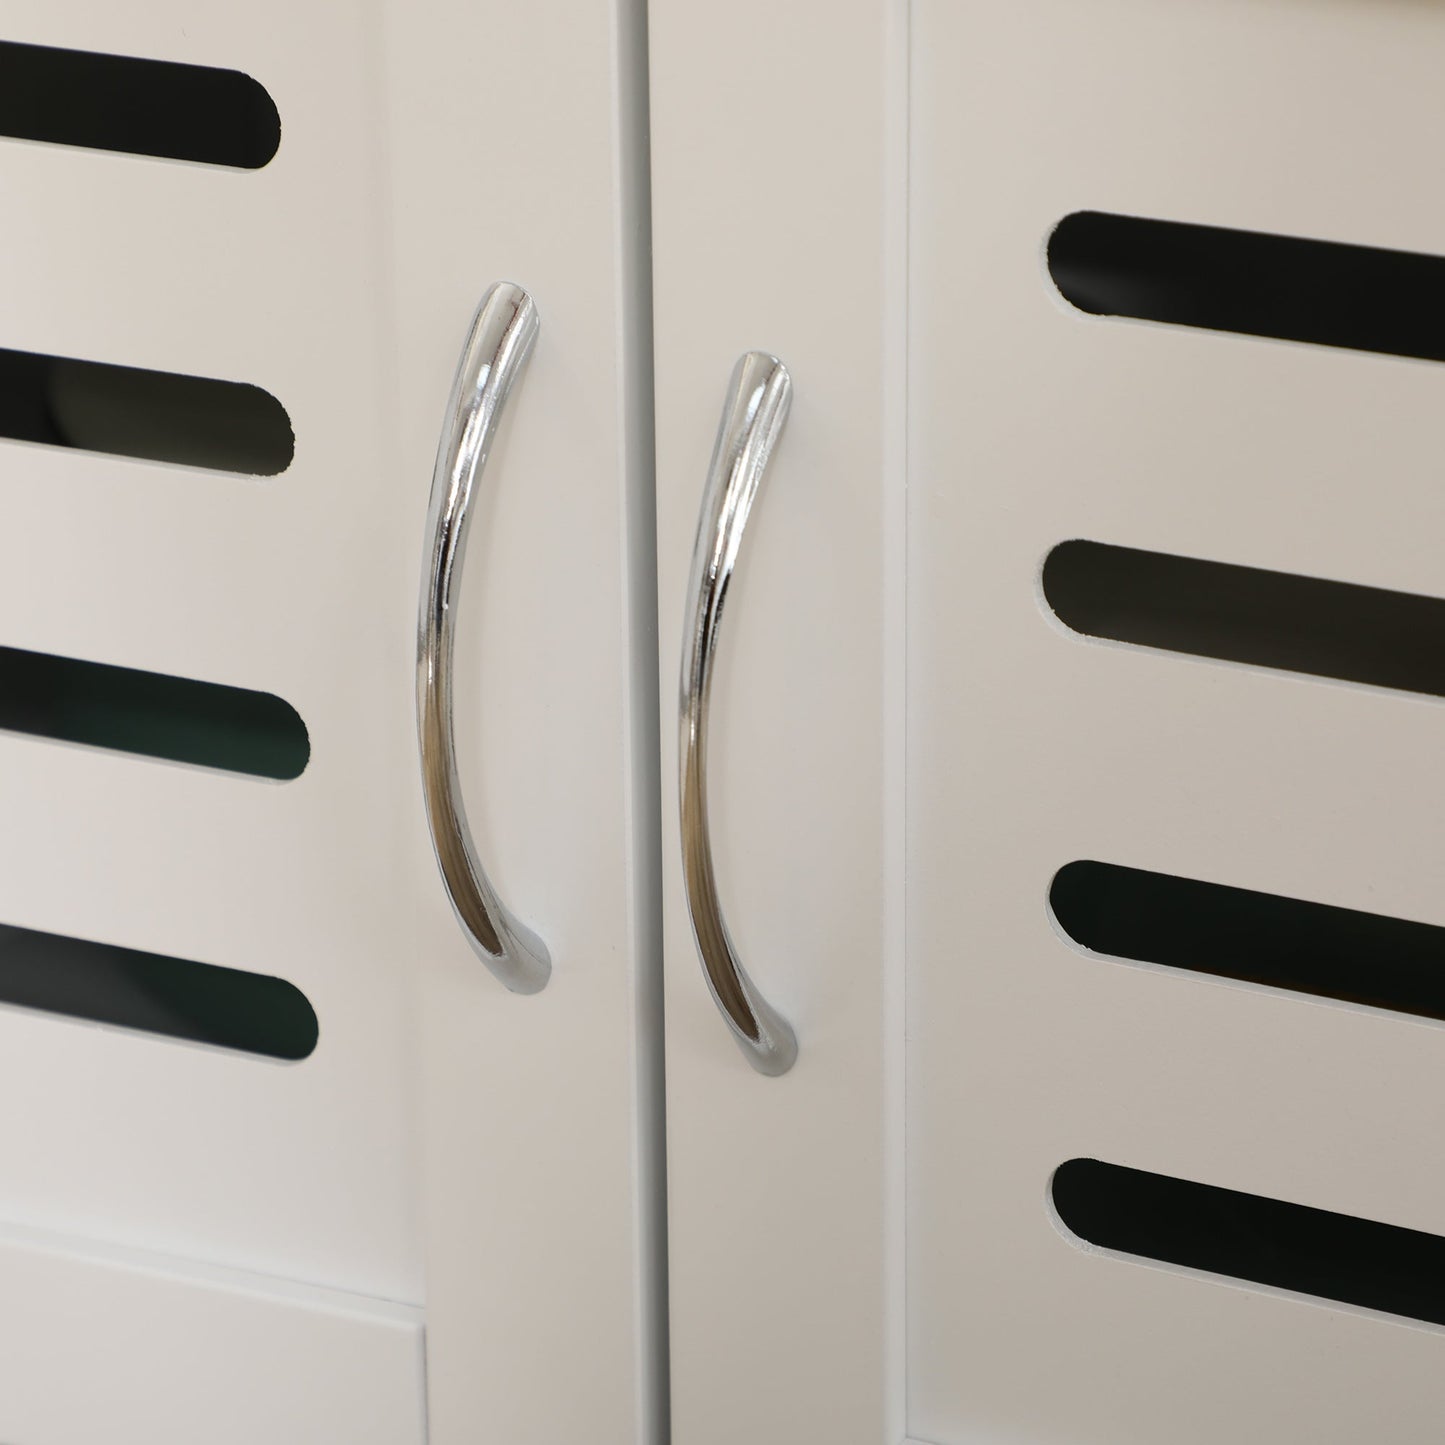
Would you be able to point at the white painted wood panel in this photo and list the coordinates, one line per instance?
(302, 584)
(516, 151)
(777, 146)
(1030, 746)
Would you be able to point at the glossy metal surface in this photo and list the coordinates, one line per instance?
(756, 408)
(503, 332)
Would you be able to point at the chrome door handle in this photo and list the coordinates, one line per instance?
(757, 404)
(497, 348)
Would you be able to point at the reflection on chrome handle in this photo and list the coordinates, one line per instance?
(497, 349)
(752, 421)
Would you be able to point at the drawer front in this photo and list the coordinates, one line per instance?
(120, 1345)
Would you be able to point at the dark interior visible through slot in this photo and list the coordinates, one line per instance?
(174, 996)
(144, 107)
(1312, 948)
(1248, 1237)
(1360, 297)
(1246, 614)
(151, 713)
(162, 416)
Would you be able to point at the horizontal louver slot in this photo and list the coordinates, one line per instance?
(144, 107)
(1360, 297)
(163, 416)
(152, 714)
(1245, 614)
(1247, 1237)
(251, 1012)
(1284, 943)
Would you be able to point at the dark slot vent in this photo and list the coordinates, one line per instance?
(152, 714)
(1245, 614)
(1235, 933)
(1261, 1241)
(1358, 297)
(173, 996)
(159, 415)
(145, 107)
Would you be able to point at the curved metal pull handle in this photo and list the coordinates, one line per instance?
(753, 416)
(497, 349)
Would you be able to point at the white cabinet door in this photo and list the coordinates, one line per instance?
(894, 1239)
(470, 1153)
